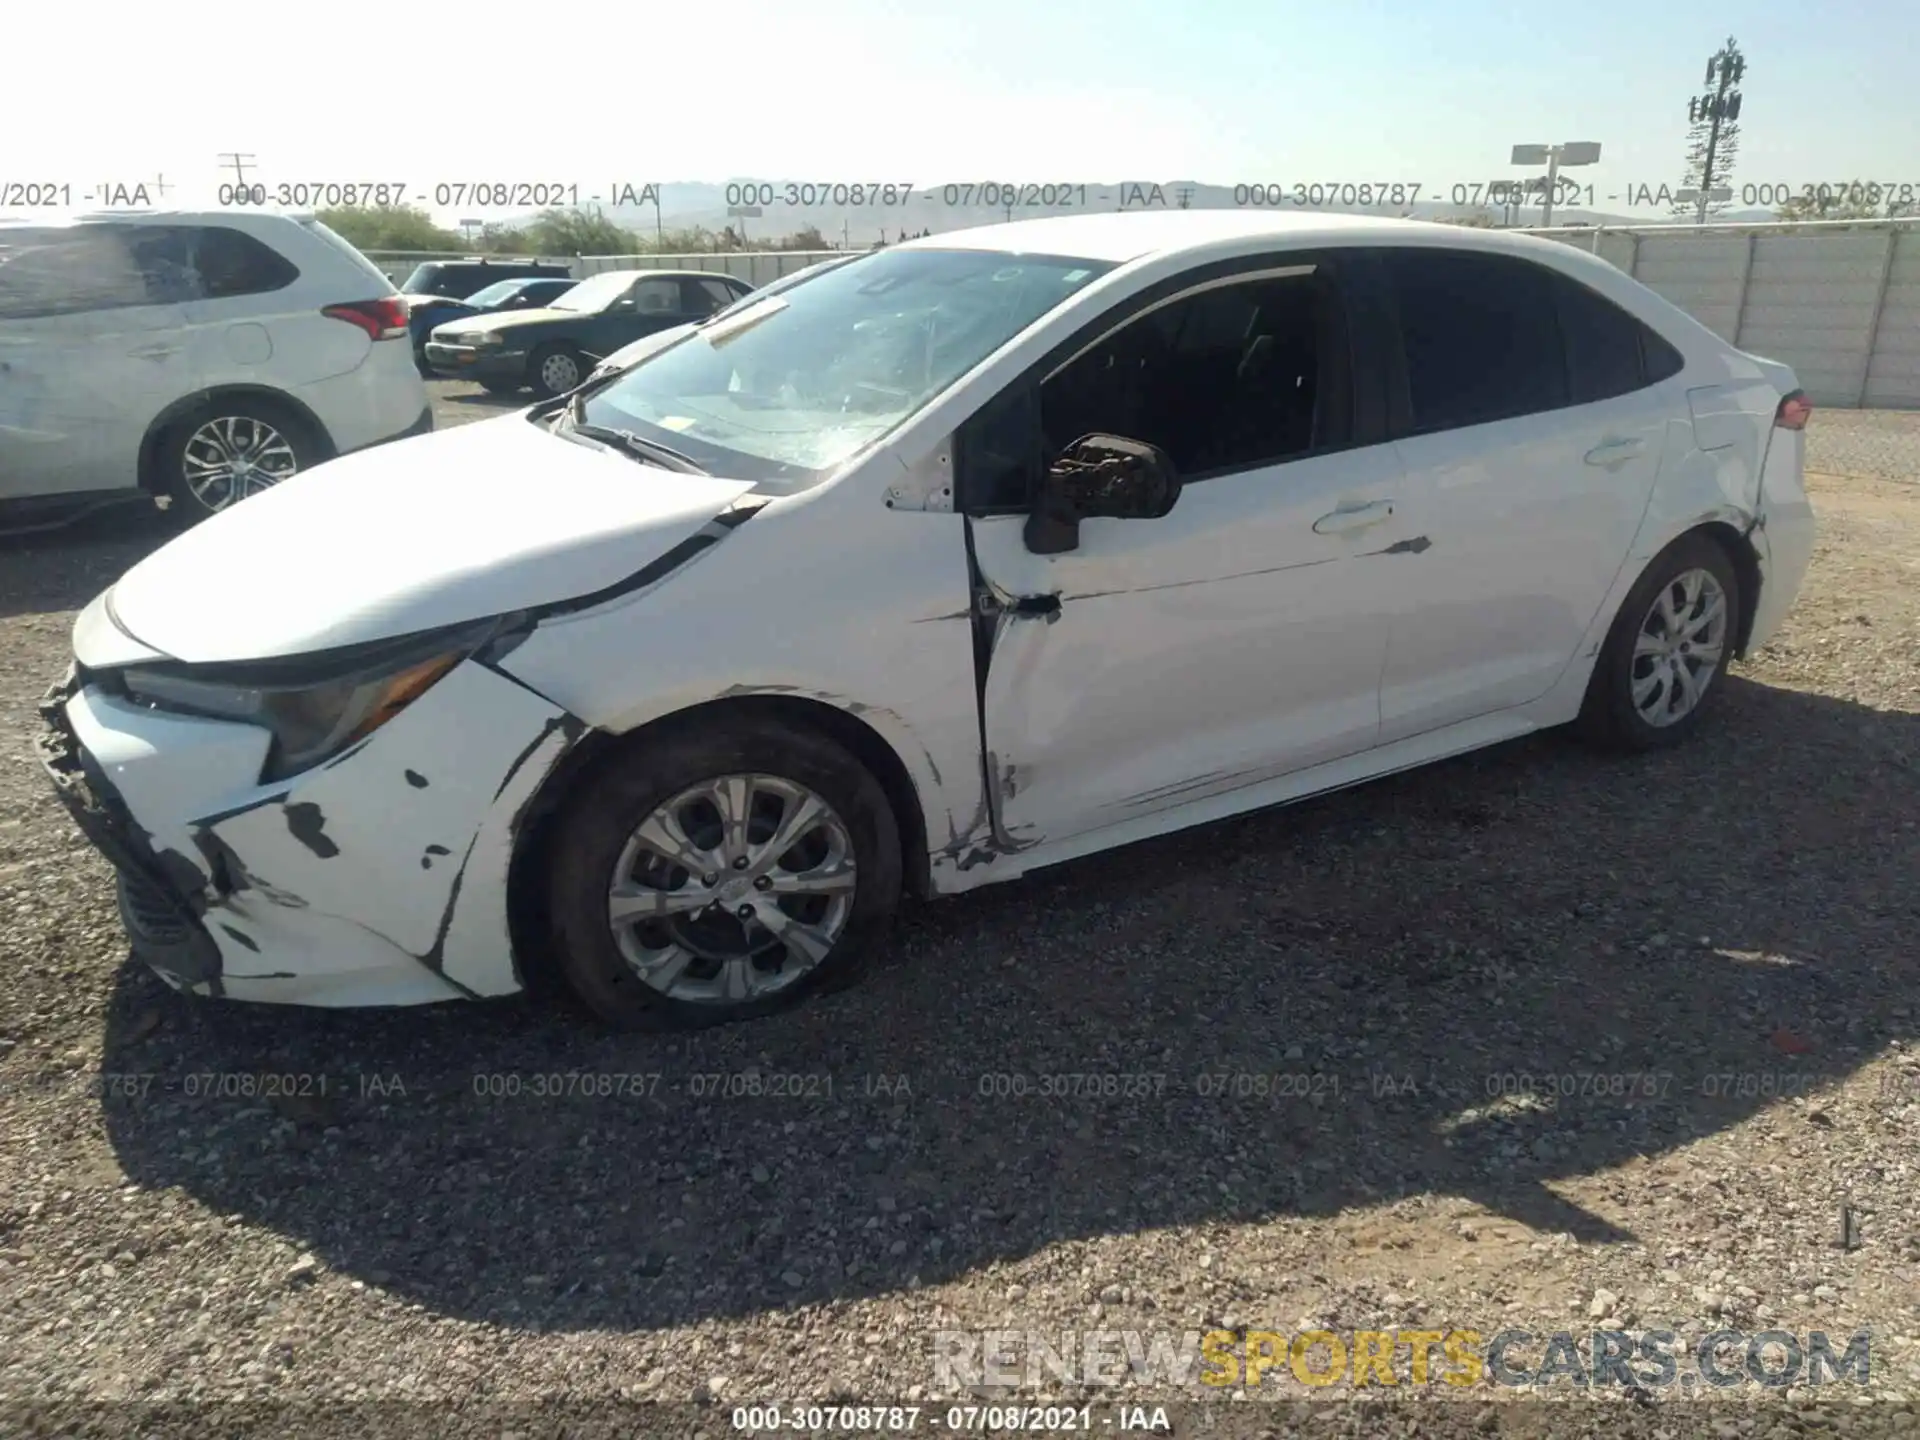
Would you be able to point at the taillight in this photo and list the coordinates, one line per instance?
(382, 319)
(1794, 411)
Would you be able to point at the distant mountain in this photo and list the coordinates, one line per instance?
(847, 215)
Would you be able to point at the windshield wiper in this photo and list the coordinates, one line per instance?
(638, 446)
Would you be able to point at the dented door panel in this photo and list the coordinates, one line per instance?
(1216, 647)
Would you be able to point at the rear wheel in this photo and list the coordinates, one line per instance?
(1666, 651)
(720, 875)
(230, 449)
(556, 369)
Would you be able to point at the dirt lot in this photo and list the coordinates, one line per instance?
(1729, 927)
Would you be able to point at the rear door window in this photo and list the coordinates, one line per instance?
(706, 296)
(1603, 343)
(1479, 335)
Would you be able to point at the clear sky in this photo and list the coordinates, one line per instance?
(932, 91)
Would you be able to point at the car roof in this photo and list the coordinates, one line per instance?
(672, 274)
(497, 262)
(1126, 235)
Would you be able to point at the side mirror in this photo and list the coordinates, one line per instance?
(1100, 476)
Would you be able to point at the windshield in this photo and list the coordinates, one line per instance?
(597, 293)
(836, 363)
(497, 293)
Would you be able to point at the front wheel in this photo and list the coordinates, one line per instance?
(1667, 648)
(556, 369)
(720, 875)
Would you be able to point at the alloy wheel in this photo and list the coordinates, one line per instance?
(732, 890)
(1679, 647)
(233, 456)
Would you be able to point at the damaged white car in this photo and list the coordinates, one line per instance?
(966, 557)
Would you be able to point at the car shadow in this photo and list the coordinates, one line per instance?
(1287, 1015)
(486, 401)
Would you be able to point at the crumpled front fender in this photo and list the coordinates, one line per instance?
(378, 878)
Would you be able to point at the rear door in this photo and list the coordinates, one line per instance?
(1532, 441)
(92, 348)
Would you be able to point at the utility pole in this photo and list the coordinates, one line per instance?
(1184, 196)
(239, 164)
(1714, 116)
(160, 186)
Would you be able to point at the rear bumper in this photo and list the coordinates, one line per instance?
(382, 399)
(1785, 538)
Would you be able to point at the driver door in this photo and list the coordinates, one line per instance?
(1238, 637)
(652, 303)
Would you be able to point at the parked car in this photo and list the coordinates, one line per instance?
(424, 312)
(457, 279)
(196, 357)
(974, 555)
(629, 355)
(548, 348)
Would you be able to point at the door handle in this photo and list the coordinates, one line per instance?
(1348, 519)
(1614, 453)
(155, 352)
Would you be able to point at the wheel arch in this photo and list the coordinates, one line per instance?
(1745, 560)
(188, 406)
(526, 896)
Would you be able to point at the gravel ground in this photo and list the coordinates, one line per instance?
(1729, 925)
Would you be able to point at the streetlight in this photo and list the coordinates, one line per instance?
(1574, 152)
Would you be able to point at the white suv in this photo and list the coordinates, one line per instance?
(197, 357)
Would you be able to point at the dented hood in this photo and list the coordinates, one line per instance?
(458, 525)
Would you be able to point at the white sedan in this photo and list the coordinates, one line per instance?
(964, 558)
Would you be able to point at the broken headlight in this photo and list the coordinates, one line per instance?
(315, 706)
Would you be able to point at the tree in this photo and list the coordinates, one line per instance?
(1713, 142)
(390, 227)
(1856, 200)
(575, 232)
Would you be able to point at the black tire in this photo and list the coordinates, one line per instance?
(1608, 717)
(253, 420)
(593, 826)
(502, 387)
(537, 361)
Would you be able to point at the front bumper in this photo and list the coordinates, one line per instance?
(378, 878)
(159, 915)
(469, 362)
